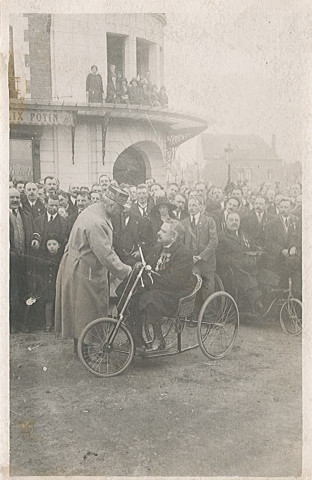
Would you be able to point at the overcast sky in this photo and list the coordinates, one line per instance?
(244, 63)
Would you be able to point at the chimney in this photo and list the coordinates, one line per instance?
(273, 143)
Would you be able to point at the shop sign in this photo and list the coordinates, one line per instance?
(40, 117)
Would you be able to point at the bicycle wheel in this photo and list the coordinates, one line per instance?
(219, 287)
(218, 324)
(291, 316)
(100, 356)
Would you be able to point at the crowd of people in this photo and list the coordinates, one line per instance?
(182, 230)
(139, 91)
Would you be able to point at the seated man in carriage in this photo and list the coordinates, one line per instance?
(173, 264)
(237, 263)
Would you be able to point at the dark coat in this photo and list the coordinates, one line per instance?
(30, 231)
(45, 228)
(126, 238)
(219, 218)
(94, 87)
(22, 267)
(150, 204)
(71, 209)
(70, 223)
(231, 253)
(211, 205)
(271, 209)
(202, 241)
(255, 230)
(243, 210)
(36, 210)
(112, 93)
(184, 214)
(46, 275)
(135, 95)
(277, 239)
(163, 98)
(175, 281)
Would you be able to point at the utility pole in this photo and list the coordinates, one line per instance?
(228, 150)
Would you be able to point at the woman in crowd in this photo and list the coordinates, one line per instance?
(154, 96)
(146, 95)
(124, 91)
(112, 91)
(163, 97)
(160, 213)
(134, 92)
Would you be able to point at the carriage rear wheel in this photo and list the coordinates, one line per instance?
(218, 323)
(291, 316)
(104, 349)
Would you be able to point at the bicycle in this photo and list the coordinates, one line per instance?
(106, 347)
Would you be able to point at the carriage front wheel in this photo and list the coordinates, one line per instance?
(105, 349)
(291, 316)
(218, 323)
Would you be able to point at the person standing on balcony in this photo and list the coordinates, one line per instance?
(135, 97)
(112, 90)
(163, 97)
(94, 86)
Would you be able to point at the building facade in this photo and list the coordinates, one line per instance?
(232, 158)
(55, 131)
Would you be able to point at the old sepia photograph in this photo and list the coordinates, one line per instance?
(153, 180)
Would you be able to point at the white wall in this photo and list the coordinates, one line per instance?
(19, 24)
(79, 41)
(56, 151)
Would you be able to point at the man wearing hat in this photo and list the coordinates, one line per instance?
(82, 286)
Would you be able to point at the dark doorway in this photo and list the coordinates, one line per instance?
(21, 160)
(142, 56)
(116, 52)
(130, 167)
(24, 153)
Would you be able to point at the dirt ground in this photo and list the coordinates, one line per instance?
(177, 416)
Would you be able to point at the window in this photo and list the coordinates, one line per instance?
(248, 174)
(269, 174)
(142, 56)
(115, 52)
(21, 159)
(240, 174)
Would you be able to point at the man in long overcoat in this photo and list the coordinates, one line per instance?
(235, 264)
(254, 224)
(202, 240)
(82, 286)
(283, 243)
(23, 241)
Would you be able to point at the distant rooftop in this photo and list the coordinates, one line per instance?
(243, 147)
